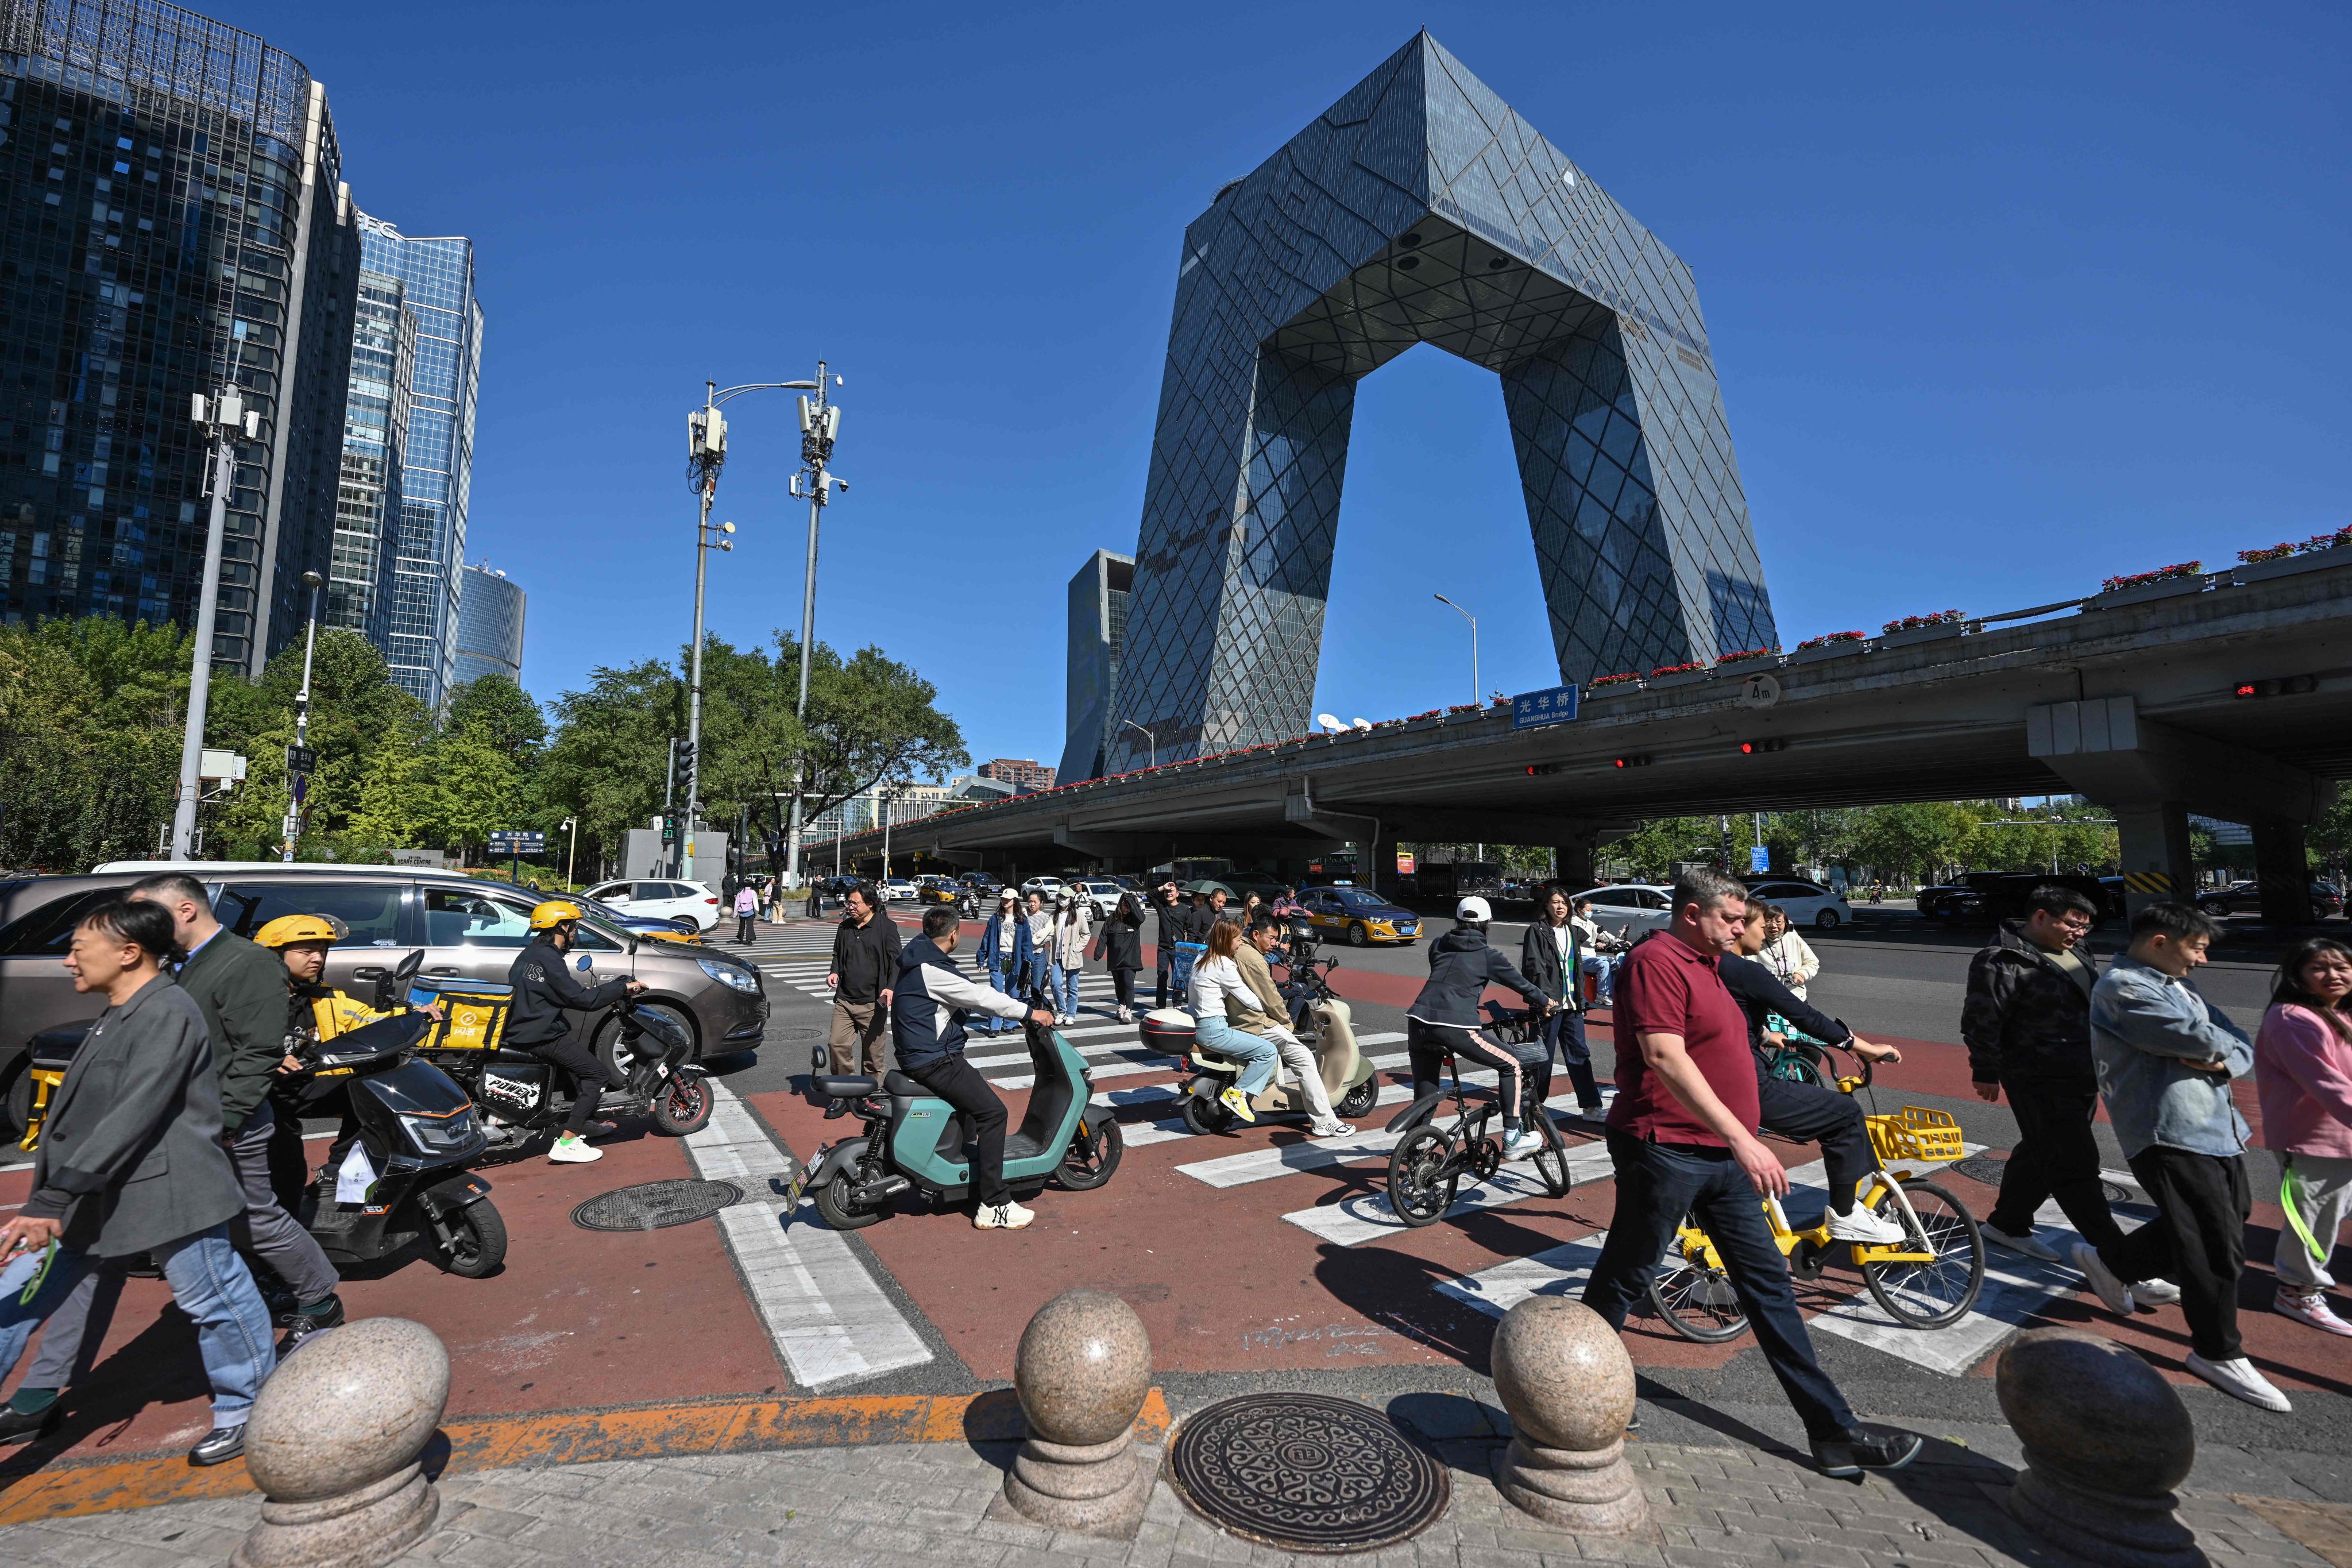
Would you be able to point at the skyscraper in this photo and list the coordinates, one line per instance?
(172, 217)
(1098, 596)
(489, 625)
(437, 463)
(376, 435)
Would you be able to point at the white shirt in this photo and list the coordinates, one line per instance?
(1214, 980)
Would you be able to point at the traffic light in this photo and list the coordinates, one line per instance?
(1634, 760)
(2280, 685)
(684, 765)
(1769, 744)
(1536, 770)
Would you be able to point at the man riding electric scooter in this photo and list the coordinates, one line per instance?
(927, 1012)
(544, 989)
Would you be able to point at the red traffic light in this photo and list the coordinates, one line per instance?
(1639, 760)
(1769, 744)
(2283, 686)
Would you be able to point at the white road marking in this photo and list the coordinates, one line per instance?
(1367, 1216)
(828, 1319)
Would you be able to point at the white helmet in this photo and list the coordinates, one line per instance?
(1475, 912)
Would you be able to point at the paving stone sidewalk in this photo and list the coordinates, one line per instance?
(922, 1504)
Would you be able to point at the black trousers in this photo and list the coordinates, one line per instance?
(2197, 1240)
(589, 1079)
(1123, 983)
(1523, 1073)
(2056, 1156)
(1815, 1115)
(1657, 1184)
(1159, 987)
(743, 935)
(959, 1083)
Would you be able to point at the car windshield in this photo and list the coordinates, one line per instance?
(1356, 899)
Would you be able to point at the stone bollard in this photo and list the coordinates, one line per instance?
(333, 1443)
(1083, 1372)
(1564, 1375)
(2106, 1440)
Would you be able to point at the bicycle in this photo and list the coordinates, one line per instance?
(1426, 1167)
(1798, 1058)
(1927, 1281)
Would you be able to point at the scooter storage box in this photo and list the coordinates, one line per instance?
(1168, 1029)
(476, 1011)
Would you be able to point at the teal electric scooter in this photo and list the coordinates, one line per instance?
(911, 1140)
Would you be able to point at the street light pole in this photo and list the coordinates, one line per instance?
(571, 853)
(225, 417)
(1149, 740)
(820, 427)
(885, 803)
(1474, 641)
(297, 783)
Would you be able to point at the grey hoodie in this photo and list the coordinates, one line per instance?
(2147, 1029)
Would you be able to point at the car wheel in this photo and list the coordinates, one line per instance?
(1357, 936)
(2213, 906)
(1826, 921)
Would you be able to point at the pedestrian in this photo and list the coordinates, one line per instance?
(1040, 916)
(1005, 953)
(747, 912)
(1074, 923)
(2166, 1058)
(864, 966)
(1788, 956)
(1120, 948)
(2027, 1025)
(240, 988)
(1168, 930)
(1680, 1137)
(1551, 956)
(133, 1160)
(2302, 1071)
(1603, 950)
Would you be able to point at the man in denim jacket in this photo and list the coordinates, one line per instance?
(2165, 1060)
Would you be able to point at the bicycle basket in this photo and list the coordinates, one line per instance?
(1914, 1133)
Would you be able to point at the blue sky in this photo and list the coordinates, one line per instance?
(2005, 300)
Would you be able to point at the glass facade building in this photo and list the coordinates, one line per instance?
(172, 217)
(1420, 208)
(1099, 595)
(375, 434)
(436, 466)
(489, 625)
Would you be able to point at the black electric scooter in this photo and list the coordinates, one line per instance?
(518, 1095)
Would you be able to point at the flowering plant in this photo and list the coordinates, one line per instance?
(2325, 541)
(2161, 574)
(1418, 717)
(1745, 653)
(1598, 681)
(1467, 707)
(1828, 637)
(2275, 553)
(1936, 618)
(1665, 669)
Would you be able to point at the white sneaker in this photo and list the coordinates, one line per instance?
(1345, 1129)
(2026, 1245)
(2110, 1291)
(1126, 1016)
(1522, 1144)
(2312, 1310)
(2155, 1293)
(2239, 1377)
(572, 1151)
(1870, 1229)
(1006, 1216)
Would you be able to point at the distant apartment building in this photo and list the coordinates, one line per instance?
(862, 813)
(489, 625)
(1022, 772)
(375, 436)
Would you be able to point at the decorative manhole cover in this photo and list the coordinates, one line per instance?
(655, 1206)
(1306, 1473)
(793, 1034)
(1987, 1169)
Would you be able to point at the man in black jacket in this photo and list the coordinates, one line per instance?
(1168, 930)
(544, 991)
(865, 967)
(1444, 1017)
(2027, 1024)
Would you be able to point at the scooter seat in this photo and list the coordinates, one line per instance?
(844, 1088)
(898, 1083)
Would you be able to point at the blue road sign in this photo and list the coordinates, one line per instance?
(1554, 706)
(1759, 859)
(517, 842)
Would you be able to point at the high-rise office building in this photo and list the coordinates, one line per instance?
(437, 463)
(172, 217)
(375, 434)
(1099, 595)
(489, 625)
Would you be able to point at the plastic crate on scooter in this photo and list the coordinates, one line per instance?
(476, 1011)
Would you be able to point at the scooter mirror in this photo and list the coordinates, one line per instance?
(585, 962)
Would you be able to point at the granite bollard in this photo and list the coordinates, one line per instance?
(2106, 1442)
(1564, 1376)
(1083, 1372)
(333, 1443)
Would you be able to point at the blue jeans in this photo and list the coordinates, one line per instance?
(1003, 979)
(1657, 1184)
(1604, 967)
(1256, 1054)
(1062, 986)
(1564, 1032)
(209, 1281)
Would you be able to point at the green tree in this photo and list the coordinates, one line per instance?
(1659, 846)
(90, 716)
(1915, 839)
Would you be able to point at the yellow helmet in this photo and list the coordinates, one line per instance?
(288, 929)
(553, 912)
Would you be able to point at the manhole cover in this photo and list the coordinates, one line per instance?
(793, 1034)
(653, 1205)
(1989, 1168)
(1306, 1473)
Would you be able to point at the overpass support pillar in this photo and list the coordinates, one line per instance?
(2282, 868)
(2155, 846)
(1576, 855)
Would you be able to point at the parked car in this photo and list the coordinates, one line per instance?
(1364, 917)
(661, 927)
(666, 899)
(1807, 903)
(895, 891)
(2247, 894)
(1643, 906)
(467, 928)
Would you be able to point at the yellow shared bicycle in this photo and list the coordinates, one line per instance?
(1927, 1281)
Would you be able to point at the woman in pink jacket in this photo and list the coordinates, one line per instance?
(2303, 1070)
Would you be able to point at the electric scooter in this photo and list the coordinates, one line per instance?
(911, 1140)
(1317, 1015)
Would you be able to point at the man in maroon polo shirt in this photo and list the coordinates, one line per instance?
(1682, 1135)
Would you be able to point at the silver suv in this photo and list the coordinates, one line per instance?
(468, 928)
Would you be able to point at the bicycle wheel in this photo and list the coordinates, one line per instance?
(1931, 1295)
(1552, 1161)
(1696, 1302)
(1421, 1185)
(1795, 1067)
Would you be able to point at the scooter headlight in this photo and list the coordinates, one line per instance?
(437, 1135)
(729, 975)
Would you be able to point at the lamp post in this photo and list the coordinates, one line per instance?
(226, 418)
(298, 770)
(1473, 639)
(884, 801)
(706, 454)
(1149, 740)
(820, 427)
(571, 852)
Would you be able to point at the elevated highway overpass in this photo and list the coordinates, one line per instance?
(2131, 698)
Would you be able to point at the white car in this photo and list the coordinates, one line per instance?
(1638, 905)
(1807, 903)
(897, 891)
(1049, 886)
(661, 900)
(1106, 895)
